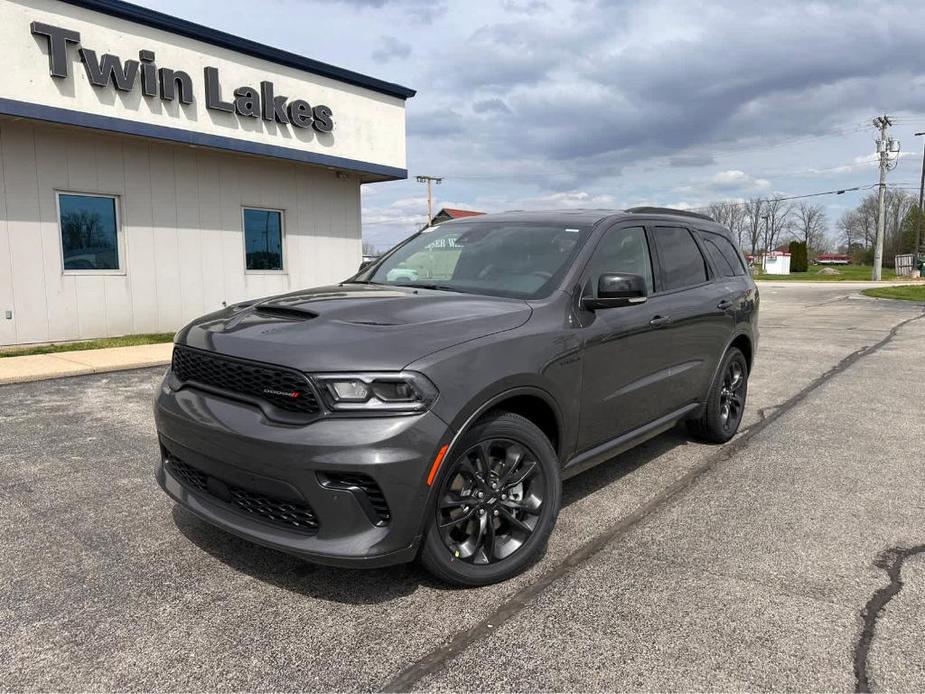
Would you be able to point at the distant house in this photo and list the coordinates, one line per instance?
(448, 213)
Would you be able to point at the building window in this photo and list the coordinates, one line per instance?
(89, 232)
(263, 240)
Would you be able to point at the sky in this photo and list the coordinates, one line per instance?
(540, 104)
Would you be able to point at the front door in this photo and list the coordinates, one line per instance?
(626, 366)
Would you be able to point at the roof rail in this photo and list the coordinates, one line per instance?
(668, 210)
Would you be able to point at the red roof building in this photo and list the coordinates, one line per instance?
(448, 213)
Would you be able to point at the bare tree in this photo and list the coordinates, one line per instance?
(810, 225)
(777, 219)
(369, 249)
(850, 230)
(867, 220)
(752, 211)
(732, 216)
(897, 206)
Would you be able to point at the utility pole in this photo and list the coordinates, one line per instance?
(918, 227)
(428, 180)
(886, 147)
(767, 239)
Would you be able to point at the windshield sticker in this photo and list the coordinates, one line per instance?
(574, 231)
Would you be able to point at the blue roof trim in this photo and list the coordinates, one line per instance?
(175, 25)
(22, 109)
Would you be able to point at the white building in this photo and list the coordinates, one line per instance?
(776, 263)
(152, 169)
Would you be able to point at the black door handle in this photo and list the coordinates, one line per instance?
(723, 305)
(659, 321)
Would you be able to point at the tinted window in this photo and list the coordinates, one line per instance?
(680, 258)
(729, 252)
(523, 260)
(622, 250)
(89, 232)
(717, 259)
(263, 239)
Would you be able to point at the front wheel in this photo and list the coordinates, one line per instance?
(497, 503)
(722, 413)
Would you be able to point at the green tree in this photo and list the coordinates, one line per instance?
(799, 257)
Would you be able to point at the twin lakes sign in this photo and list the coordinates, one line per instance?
(176, 85)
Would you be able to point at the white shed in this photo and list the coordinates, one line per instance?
(776, 263)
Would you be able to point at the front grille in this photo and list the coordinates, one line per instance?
(291, 515)
(365, 484)
(284, 388)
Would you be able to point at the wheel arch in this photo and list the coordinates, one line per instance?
(744, 343)
(530, 402)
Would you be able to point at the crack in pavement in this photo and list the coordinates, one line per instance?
(890, 560)
(435, 659)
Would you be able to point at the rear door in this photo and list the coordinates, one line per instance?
(728, 275)
(696, 326)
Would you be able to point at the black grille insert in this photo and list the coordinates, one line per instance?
(365, 485)
(291, 515)
(283, 388)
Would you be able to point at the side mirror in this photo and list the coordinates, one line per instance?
(616, 289)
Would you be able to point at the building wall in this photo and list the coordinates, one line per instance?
(368, 126)
(183, 241)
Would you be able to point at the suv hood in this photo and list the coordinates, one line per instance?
(352, 327)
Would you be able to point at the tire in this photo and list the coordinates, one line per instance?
(477, 541)
(717, 424)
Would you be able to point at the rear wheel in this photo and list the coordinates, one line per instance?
(725, 404)
(496, 504)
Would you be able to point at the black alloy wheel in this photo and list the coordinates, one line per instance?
(731, 402)
(490, 501)
(495, 505)
(725, 403)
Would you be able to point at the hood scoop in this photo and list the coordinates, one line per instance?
(284, 312)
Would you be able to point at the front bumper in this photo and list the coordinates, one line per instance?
(233, 445)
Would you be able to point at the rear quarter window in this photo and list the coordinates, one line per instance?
(723, 254)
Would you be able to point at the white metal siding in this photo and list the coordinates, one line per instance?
(181, 214)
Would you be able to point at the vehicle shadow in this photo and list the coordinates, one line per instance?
(373, 586)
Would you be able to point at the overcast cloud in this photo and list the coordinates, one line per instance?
(531, 103)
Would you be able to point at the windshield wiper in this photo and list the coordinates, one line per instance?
(438, 287)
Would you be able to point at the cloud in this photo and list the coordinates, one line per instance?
(391, 48)
(691, 160)
(493, 105)
(437, 123)
(617, 102)
(526, 6)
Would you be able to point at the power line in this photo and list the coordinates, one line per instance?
(838, 191)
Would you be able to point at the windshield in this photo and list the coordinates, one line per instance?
(524, 260)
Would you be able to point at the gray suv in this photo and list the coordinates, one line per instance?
(434, 412)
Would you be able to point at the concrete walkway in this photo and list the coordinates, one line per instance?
(38, 367)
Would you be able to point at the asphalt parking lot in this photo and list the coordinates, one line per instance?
(761, 564)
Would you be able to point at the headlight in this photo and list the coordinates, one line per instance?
(406, 391)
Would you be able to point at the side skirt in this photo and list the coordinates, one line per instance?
(614, 447)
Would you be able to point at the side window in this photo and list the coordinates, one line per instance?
(623, 250)
(682, 263)
(730, 253)
(719, 261)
